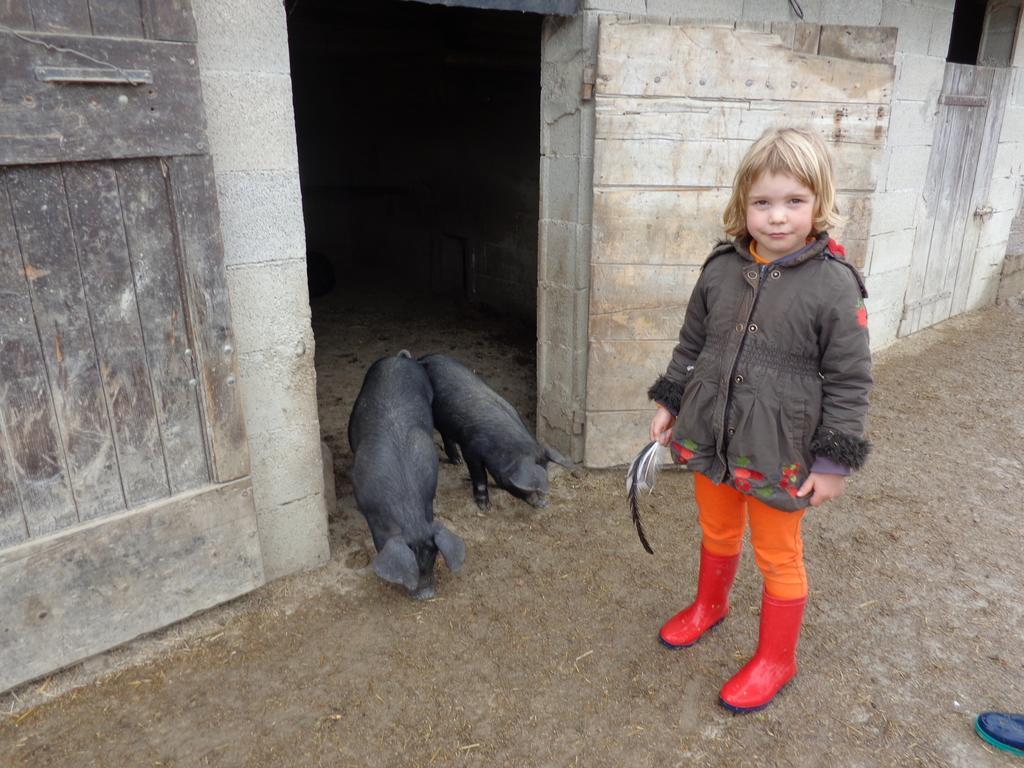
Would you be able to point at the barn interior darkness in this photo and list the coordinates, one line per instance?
(418, 140)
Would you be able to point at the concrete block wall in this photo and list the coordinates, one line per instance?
(244, 66)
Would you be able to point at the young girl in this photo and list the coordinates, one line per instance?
(768, 392)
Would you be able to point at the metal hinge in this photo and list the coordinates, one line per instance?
(579, 421)
(587, 92)
(955, 100)
(93, 76)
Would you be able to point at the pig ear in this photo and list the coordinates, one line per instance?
(396, 563)
(529, 477)
(451, 546)
(558, 458)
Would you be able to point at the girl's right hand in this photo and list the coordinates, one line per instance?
(661, 425)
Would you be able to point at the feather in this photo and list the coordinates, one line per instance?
(641, 476)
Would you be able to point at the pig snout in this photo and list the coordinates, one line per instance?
(537, 500)
(424, 592)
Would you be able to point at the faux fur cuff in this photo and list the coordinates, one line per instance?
(848, 450)
(667, 393)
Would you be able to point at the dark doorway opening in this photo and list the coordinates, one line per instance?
(418, 136)
(418, 132)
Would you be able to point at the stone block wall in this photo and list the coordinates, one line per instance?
(244, 65)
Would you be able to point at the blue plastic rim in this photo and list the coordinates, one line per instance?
(994, 740)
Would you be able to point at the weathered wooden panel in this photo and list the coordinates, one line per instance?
(656, 226)
(684, 119)
(62, 16)
(547, 7)
(16, 14)
(619, 373)
(197, 221)
(95, 207)
(92, 587)
(13, 526)
(614, 437)
(710, 163)
(641, 286)
(149, 233)
(872, 44)
(48, 249)
(639, 301)
(656, 323)
(169, 20)
(965, 273)
(116, 18)
(680, 226)
(46, 122)
(28, 422)
(657, 60)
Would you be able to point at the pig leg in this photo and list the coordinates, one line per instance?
(478, 476)
(452, 449)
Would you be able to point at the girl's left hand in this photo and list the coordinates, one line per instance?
(826, 487)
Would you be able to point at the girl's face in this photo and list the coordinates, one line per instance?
(780, 214)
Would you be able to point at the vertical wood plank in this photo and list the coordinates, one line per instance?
(62, 316)
(921, 290)
(197, 222)
(116, 18)
(13, 526)
(998, 89)
(965, 146)
(16, 14)
(62, 16)
(95, 207)
(158, 290)
(29, 424)
(169, 20)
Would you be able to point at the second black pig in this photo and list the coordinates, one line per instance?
(491, 433)
(394, 474)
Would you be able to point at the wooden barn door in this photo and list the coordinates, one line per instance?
(677, 107)
(955, 192)
(125, 502)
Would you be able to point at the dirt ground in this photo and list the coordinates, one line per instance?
(543, 652)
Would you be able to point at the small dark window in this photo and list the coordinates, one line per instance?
(984, 32)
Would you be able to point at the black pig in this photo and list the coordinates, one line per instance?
(491, 433)
(394, 474)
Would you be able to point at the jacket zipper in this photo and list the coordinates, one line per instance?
(746, 330)
(736, 360)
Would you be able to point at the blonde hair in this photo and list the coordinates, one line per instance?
(797, 152)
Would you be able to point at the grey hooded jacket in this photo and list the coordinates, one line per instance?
(772, 370)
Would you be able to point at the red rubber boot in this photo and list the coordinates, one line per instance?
(709, 608)
(774, 663)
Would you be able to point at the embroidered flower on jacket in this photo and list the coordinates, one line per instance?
(862, 314)
(684, 450)
(790, 482)
(836, 248)
(743, 475)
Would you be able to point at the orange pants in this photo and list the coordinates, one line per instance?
(775, 535)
